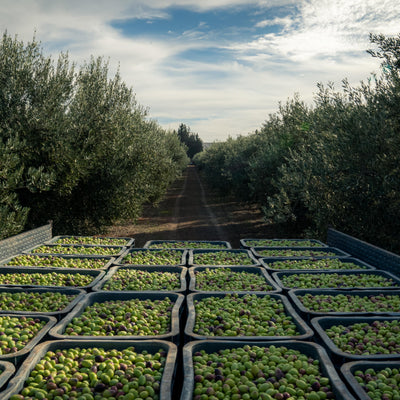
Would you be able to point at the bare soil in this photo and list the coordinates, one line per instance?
(191, 211)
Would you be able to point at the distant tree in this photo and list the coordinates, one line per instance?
(192, 140)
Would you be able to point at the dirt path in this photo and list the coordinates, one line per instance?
(194, 218)
(190, 211)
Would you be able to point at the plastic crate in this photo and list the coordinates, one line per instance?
(16, 384)
(348, 369)
(79, 293)
(181, 252)
(335, 253)
(192, 257)
(116, 250)
(278, 276)
(367, 252)
(181, 271)
(128, 242)
(320, 324)
(267, 263)
(110, 260)
(305, 332)
(100, 297)
(244, 243)
(17, 357)
(7, 370)
(252, 270)
(185, 244)
(313, 350)
(96, 275)
(307, 314)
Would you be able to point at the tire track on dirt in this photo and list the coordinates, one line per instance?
(213, 219)
(191, 211)
(177, 205)
(193, 215)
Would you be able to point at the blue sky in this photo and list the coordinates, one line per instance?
(219, 66)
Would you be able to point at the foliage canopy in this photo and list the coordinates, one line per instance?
(76, 147)
(334, 164)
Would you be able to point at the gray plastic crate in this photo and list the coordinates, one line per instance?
(348, 370)
(116, 251)
(186, 244)
(58, 332)
(248, 243)
(181, 254)
(16, 384)
(78, 293)
(313, 350)
(109, 260)
(320, 324)
(25, 240)
(128, 242)
(252, 270)
(17, 357)
(7, 370)
(307, 314)
(192, 257)
(305, 332)
(278, 279)
(331, 252)
(367, 252)
(95, 274)
(268, 264)
(181, 271)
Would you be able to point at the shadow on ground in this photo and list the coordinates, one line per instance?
(191, 211)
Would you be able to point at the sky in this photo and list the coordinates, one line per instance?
(221, 67)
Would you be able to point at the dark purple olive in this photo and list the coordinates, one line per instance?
(316, 386)
(100, 387)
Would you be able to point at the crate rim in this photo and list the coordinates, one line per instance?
(294, 293)
(326, 365)
(129, 241)
(244, 245)
(251, 268)
(119, 259)
(346, 370)
(182, 270)
(80, 293)
(121, 250)
(318, 322)
(265, 261)
(16, 357)
(107, 265)
(276, 276)
(8, 369)
(166, 385)
(97, 275)
(304, 329)
(150, 242)
(192, 253)
(56, 333)
(339, 253)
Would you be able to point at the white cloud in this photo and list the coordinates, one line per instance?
(324, 41)
(326, 28)
(286, 22)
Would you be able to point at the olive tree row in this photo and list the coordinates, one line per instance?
(333, 164)
(76, 147)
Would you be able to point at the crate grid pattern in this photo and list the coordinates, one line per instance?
(367, 252)
(23, 241)
(364, 251)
